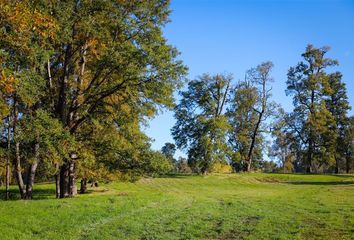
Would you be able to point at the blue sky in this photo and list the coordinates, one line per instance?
(226, 36)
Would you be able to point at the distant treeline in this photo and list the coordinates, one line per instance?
(218, 122)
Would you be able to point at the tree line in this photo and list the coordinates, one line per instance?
(79, 80)
(218, 122)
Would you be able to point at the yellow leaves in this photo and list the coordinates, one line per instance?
(44, 25)
(17, 15)
(117, 105)
(7, 83)
(4, 108)
(92, 46)
(96, 47)
(125, 108)
(25, 22)
(6, 87)
(92, 42)
(219, 167)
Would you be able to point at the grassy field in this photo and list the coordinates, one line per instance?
(236, 206)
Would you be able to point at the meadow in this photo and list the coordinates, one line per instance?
(219, 206)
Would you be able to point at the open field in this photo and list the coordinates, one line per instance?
(237, 206)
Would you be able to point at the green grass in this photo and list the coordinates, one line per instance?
(235, 206)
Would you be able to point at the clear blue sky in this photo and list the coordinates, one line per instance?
(226, 36)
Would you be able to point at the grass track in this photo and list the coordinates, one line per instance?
(235, 206)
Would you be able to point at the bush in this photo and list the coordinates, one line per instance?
(219, 167)
(156, 163)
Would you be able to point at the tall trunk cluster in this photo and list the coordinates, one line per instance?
(65, 178)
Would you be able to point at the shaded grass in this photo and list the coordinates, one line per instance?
(223, 206)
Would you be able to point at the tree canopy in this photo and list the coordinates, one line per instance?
(83, 76)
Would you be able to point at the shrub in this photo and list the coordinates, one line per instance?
(219, 167)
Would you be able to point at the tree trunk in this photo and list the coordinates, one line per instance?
(336, 170)
(61, 107)
(204, 171)
(72, 179)
(67, 180)
(32, 172)
(57, 181)
(7, 194)
(311, 137)
(83, 186)
(309, 156)
(17, 159)
(204, 168)
(253, 142)
(64, 181)
(347, 163)
(249, 164)
(18, 171)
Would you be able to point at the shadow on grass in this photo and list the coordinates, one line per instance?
(321, 183)
(38, 194)
(42, 192)
(177, 175)
(342, 175)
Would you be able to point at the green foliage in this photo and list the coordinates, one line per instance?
(243, 118)
(320, 112)
(156, 163)
(169, 150)
(248, 114)
(55, 143)
(30, 88)
(284, 147)
(348, 145)
(201, 122)
(82, 77)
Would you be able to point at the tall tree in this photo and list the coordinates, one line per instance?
(242, 119)
(338, 105)
(169, 150)
(308, 83)
(250, 108)
(348, 145)
(201, 122)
